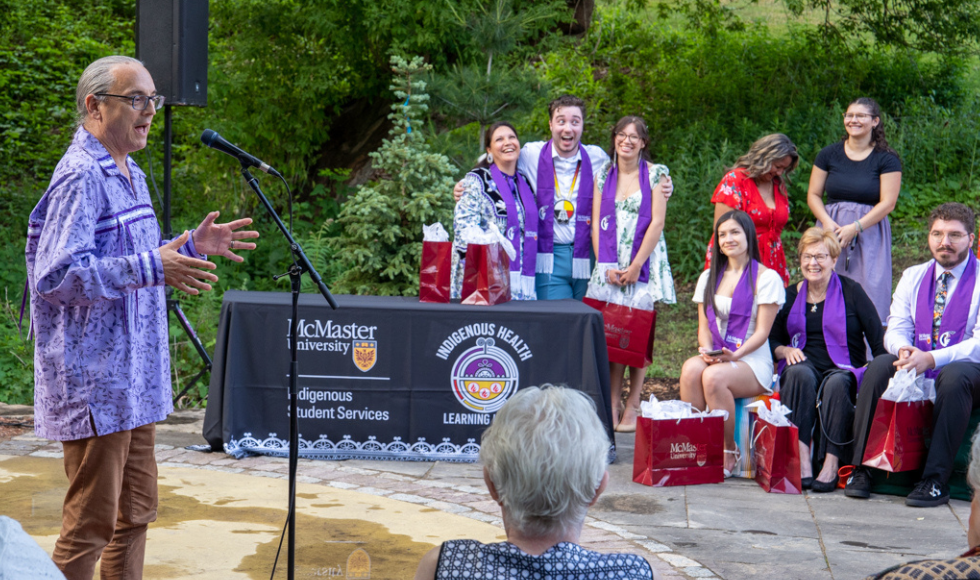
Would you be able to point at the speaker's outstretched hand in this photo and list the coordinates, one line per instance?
(220, 239)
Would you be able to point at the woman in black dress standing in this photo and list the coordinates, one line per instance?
(862, 176)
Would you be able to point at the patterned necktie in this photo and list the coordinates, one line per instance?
(942, 290)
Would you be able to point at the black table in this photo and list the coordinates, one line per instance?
(390, 377)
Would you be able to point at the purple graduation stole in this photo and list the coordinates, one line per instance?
(741, 312)
(952, 328)
(608, 255)
(834, 326)
(546, 214)
(521, 269)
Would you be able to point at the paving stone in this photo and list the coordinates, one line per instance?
(736, 555)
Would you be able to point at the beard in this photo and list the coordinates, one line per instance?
(947, 261)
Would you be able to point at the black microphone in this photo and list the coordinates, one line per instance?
(215, 141)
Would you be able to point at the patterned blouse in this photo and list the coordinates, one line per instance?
(563, 561)
(738, 191)
(965, 567)
(475, 208)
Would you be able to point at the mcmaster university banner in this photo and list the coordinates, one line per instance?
(390, 377)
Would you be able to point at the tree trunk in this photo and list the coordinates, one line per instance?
(583, 16)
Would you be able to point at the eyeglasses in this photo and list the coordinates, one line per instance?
(807, 258)
(140, 102)
(859, 116)
(955, 237)
(630, 138)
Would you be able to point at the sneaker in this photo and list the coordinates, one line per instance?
(928, 493)
(859, 483)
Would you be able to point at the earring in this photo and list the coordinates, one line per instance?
(489, 158)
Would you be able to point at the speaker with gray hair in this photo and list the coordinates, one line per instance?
(172, 42)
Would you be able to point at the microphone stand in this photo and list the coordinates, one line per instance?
(301, 264)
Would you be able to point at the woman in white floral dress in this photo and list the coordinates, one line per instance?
(631, 267)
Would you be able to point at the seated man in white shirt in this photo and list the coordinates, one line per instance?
(932, 328)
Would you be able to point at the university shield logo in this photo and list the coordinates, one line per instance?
(365, 354)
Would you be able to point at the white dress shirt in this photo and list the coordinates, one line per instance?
(901, 319)
(565, 170)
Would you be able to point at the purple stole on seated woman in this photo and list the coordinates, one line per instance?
(952, 328)
(740, 315)
(834, 326)
(608, 257)
(583, 214)
(521, 269)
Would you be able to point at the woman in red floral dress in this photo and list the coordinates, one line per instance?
(756, 186)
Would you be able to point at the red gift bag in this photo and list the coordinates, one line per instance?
(679, 451)
(486, 276)
(776, 454)
(435, 271)
(897, 441)
(629, 332)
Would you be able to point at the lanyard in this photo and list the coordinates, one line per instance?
(558, 194)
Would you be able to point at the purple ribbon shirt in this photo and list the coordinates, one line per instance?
(97, 299)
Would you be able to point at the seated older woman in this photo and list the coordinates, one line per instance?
(544, 462)
(967, 565)
(819, 340)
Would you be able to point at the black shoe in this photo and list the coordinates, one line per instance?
(806, 482)
(928, 493)
(859, 483)
(824, 486)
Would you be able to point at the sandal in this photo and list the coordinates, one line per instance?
(738, 459)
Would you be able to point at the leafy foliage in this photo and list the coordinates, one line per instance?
(44, 47)
(468, 94)
(382, 223)
(707, 96)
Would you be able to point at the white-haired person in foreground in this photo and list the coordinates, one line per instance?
(544, 462)
(965, 566)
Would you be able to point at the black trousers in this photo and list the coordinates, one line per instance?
(957, 394)
(798, 388)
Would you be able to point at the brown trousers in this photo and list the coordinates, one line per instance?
(112, 496)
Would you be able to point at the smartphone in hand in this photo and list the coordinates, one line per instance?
(714, 352)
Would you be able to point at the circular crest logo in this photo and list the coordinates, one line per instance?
(945, 337)
(510, 233)
(795, 342)
(604, 224)
(542, 213)
(484, 377)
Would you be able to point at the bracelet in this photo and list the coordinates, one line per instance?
(857, 224)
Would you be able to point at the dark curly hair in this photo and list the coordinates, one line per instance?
(950, 211)
(878, 133)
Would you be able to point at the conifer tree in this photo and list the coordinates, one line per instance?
(381, 239)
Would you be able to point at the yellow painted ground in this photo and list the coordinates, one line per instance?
(220, 525)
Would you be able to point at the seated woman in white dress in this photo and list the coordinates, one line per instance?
(739, 299)
(544, 461)
(628, 213)
(496, 192)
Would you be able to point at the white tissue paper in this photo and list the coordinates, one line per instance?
(476, 235)
(434, 233)
(775, 414)
(654, 409)
(906, 387)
